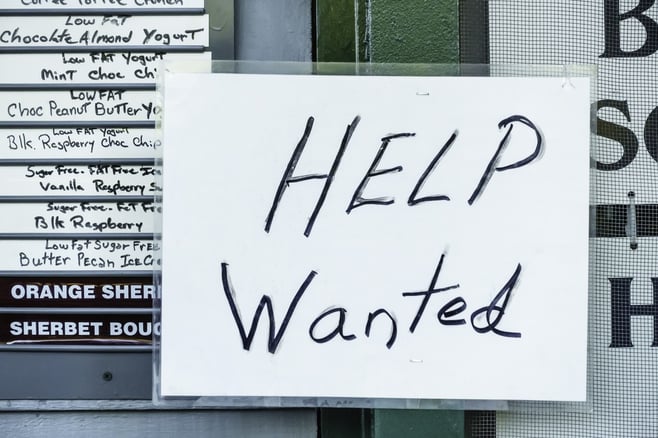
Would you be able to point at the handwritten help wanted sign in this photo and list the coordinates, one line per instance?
(395, 237)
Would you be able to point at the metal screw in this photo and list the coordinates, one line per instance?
(107, 376)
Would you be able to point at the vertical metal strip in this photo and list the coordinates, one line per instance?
(474, 32)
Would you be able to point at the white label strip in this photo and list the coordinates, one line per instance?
(89, 68)
(100, 4)
(89, 180)
(77, 105)
(80, 217)
(119, 30)
(78, 254)
(65, 143)
(49, 329)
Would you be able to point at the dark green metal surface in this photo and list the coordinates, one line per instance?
(413, 31)
(345, 423)
(409, 423)
(335, 31)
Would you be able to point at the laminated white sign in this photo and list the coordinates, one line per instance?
(376, 237)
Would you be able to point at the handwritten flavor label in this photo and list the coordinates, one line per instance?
(66, 143)
(81, 217)
(126, 291)
(436, 227)
(77, 105)
(27, 5)
(18, 329)
(89, 68)
(78, 254)
(80, 180)
(110, 31)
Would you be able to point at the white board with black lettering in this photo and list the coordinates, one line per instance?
(109, 31)
(97, 179)
(119, 217)
(68, 143)
(401, 237)
(77, 105)
(78, 254)
(89, 68)
(27, 5)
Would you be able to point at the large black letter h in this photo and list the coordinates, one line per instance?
(622, 310)
(288, 177)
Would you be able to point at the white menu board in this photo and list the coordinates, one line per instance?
(77, 149)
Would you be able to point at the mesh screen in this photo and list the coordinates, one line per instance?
(621, 37)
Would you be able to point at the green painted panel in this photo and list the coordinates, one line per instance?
(335, 31)
(396, 423)
(413, 31)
